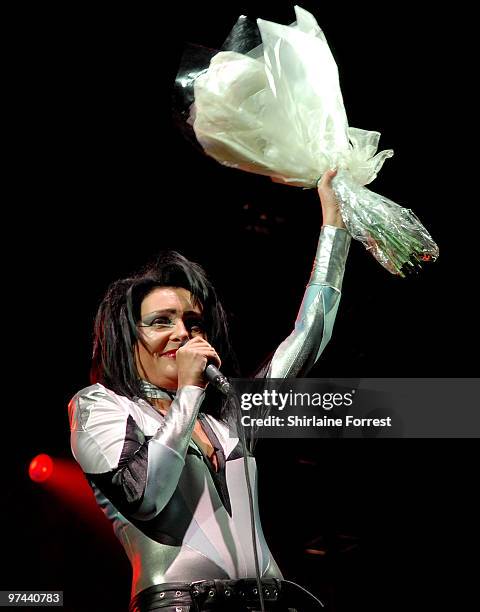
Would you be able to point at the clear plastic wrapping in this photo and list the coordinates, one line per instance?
(270, 103)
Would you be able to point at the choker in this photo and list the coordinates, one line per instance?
(154, 392)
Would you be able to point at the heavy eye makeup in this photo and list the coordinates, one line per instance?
(193, 322)
(195, 325)
(162, 321)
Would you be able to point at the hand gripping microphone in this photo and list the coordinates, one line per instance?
(214, 376)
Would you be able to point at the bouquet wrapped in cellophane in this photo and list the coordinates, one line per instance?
(270, 102)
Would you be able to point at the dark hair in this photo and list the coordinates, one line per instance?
(116, 334)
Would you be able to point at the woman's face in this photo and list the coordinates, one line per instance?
(168, 320)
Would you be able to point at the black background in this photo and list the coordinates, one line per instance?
(102, 180)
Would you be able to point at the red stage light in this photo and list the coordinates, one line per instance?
(41, 468)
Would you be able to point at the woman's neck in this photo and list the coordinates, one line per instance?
(160, 405)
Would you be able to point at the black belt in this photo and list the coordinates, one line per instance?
(242, 594)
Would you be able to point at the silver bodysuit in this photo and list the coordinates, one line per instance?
(178, 519)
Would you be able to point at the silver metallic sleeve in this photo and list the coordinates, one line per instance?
(297, 354)
(167, 450)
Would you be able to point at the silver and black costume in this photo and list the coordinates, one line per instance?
(177, 518)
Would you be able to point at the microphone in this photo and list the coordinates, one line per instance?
(217, 379)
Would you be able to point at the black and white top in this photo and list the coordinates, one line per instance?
(177, 518)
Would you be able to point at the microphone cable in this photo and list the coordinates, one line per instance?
(233, 395)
